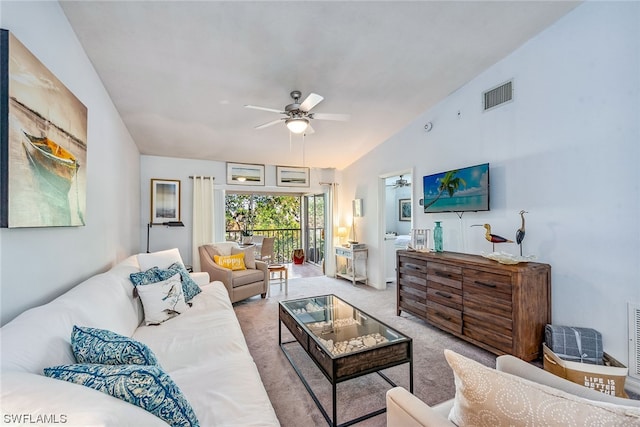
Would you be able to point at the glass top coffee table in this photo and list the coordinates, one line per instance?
(344, 342)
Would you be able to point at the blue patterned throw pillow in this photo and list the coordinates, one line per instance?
(92, 345)
(189, 288)
(145, 277)
(145, 386)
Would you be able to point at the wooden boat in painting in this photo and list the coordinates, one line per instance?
(52, 157)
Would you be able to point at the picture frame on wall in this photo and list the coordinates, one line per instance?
(43, 137)
(165, 200)
(245, 174)
(357, 208)
(404, 210)
(289, 176)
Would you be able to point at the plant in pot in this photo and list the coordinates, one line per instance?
(247, 235)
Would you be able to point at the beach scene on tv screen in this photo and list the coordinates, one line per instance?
(470, 186)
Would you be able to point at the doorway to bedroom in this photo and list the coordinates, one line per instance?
(397, 218)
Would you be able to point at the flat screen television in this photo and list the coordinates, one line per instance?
(457, 190)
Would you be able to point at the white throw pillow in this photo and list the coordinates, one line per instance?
(249, 256)
(486, 397)
(162, 301)
(160, 259)
(224, 248)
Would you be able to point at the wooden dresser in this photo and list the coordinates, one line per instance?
(501, 308)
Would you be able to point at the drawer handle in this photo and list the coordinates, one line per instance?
(442, 294)
(299, 328)
(320, 351)
(443, 316)
(488, 285)
(447, 275)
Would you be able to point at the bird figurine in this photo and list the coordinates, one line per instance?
(493, 238)
(520, 231)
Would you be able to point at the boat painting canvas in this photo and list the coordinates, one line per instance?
(43, 143)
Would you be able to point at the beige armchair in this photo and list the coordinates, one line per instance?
(240, 284)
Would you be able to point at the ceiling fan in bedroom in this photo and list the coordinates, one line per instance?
(298, 115)
(400, 182)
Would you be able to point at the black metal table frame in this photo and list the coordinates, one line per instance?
(332, 421)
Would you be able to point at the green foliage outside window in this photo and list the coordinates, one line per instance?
(249, 212)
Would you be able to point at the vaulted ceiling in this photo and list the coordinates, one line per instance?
(180, 72)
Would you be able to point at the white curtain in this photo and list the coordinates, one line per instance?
(203, 214)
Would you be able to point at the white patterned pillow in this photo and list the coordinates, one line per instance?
(163, 300)
(487, 397)
(145, 386)
(92, 345)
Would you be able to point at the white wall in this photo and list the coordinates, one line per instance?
(173, 168)
(38, 264)
(566, 150)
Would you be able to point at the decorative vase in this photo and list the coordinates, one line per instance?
(437, 237)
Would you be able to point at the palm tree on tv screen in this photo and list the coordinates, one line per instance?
(450, 183)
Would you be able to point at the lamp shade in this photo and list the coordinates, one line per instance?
(297, 125)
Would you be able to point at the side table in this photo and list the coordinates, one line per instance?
(279, 268)
(351, 263)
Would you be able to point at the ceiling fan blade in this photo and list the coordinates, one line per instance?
(273, 110)
(329, 116)
(271, 123)
(311, 101)
(309, 130)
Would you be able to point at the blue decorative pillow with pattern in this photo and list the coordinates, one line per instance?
(92, 345)
(189, 288)
(145, 386)
(145, 277)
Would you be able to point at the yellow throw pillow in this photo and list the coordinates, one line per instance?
(233, 262)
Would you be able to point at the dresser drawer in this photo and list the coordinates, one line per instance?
(417, 306)
(408, 265)
(485, 320)
(444, 317)
(482, 282)
(412, 280)
(489, 336)
(444, 275)
(497, 304)
(445, 296)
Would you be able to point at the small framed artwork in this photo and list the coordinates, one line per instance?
(245, 174)
(404, 210)
(357, 208)
(165, 200)
(287, 176)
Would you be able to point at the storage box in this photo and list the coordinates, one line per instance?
(608, 378)
(574, 344)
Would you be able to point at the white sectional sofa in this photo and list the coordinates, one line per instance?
(203, 351)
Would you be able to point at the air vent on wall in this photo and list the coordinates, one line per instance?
(498, 95)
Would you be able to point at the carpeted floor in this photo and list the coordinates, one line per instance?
(433, 379)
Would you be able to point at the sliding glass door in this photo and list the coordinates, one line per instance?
(315, 208)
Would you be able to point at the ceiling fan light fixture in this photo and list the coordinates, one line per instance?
(297, 124)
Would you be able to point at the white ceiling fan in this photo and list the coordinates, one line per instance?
(400, 182)
(298, 115)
